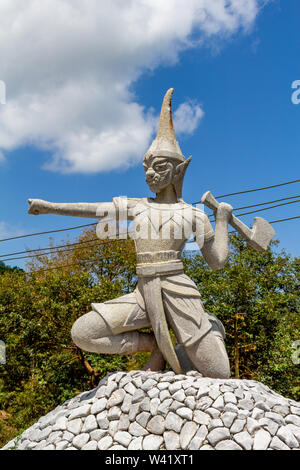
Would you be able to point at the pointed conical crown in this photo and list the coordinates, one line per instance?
(165, 144)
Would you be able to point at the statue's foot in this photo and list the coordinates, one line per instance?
(156, 362)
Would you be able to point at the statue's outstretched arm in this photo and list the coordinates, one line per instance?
(215, 250)
(77, 209)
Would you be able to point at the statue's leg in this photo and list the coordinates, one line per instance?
(92, 333)
(200, 334)
(209, 355)
(111, 329)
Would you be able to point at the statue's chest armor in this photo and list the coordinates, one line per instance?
(158, 229)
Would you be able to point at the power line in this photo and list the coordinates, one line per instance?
(283, 220)
(57, 249)
(253, 190)
(259, 189)
(270, 222)
(120, 239)
(259, 210)
(54, 250)
(49, 231)
(267, 208)
(49, 248)
(189, 241)
(95, 223)
(269, 202)
(274, 222)
(96, 239)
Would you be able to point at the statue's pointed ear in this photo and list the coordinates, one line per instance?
(182, 167)
(179, 176)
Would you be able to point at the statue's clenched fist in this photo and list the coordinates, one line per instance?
(224, 211)
(38, 206)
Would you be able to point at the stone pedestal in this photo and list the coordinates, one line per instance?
(149, 411)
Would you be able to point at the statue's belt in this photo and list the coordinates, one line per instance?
(149, 275)
(159, 263)
(158, 257)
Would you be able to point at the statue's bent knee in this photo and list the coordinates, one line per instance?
(77, 333)
(88, 328)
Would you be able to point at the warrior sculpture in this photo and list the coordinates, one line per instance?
(165, 298)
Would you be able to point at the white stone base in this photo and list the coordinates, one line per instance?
(149, 411)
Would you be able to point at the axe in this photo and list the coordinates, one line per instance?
(259, 236)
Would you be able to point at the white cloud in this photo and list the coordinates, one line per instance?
(69, 66)
(187, 117)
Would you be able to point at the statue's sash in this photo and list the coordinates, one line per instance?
(149, 276)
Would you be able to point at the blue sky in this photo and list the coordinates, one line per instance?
(238, 72)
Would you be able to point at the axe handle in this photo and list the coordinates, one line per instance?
(209, 200)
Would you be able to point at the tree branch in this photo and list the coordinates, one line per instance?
(93, 372)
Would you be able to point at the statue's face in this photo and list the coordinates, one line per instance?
(159, 173)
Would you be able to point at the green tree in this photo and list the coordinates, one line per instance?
(4, 268)
(37, 310)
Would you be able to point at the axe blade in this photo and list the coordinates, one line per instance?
(263, 233)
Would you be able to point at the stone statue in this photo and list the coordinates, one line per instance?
(164, 297)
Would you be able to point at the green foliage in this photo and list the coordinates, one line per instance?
(37, 310)
(4, 268)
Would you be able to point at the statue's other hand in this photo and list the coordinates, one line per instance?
(35, 206)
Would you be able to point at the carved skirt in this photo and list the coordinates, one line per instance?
(184, 310)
